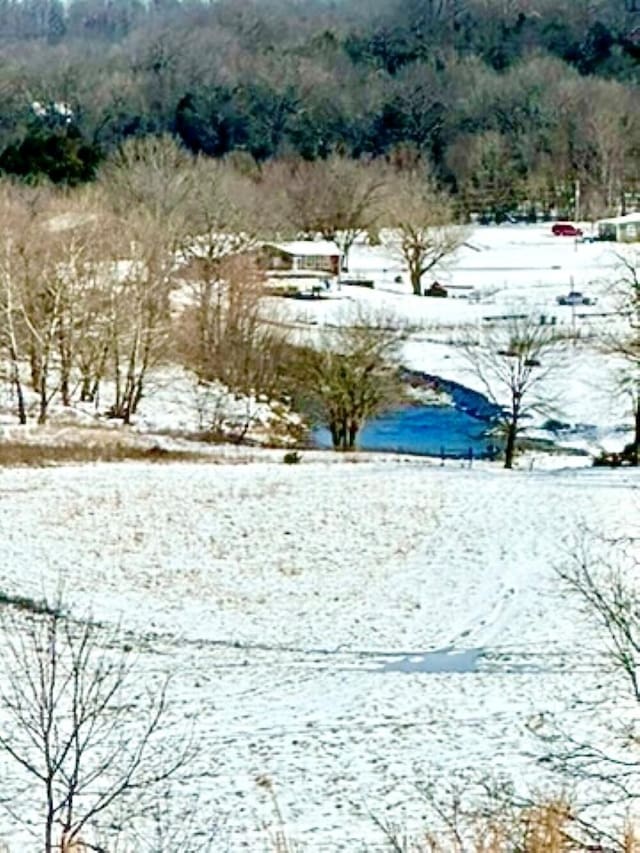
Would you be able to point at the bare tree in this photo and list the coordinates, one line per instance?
(153, 174)
(231, 344)
(88, 321)
(28, 295)
(80, 731)
(143, 280)
(147, 185)
(610, 118)
(55, 271)
(421, 225)
(14, 219)
(227, 338)
(352, 376)
(41, 296)
(84, 274)
(9, 334)
(605, 581)
(487, 171)
(48, 242)
(226, 218)
(338, 198)
(601, 576)
(624, 344)
(512, 363)
(78, 279)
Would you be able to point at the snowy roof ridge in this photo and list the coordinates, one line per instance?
(307, 248)
(620, 220)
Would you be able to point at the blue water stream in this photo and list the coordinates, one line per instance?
(429, 430)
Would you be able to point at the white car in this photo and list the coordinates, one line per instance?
(574, 297)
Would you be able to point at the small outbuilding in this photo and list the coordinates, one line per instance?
(436, 290)
(622, 229)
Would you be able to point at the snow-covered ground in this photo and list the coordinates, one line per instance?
(501, 271)
(498, 268)
(345, 630)
(341, 628)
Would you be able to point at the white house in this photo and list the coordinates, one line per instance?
(302, 258)
(623, 229)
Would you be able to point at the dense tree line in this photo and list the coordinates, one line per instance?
(511, 102)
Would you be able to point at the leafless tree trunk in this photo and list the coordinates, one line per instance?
(39, 303)
(610, 124)
(140, 328)
(512, 363)
(338, 198)
(601, 576)
(78, 731)
(86, 267)
(421, 226)
(46, 266)
(351, 377)
(225, 337)
(147, 185)
(624, 344)
(9, 334)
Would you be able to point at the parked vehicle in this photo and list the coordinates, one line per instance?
(565, 229)
(574, 297)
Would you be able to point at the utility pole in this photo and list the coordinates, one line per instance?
(576, 200)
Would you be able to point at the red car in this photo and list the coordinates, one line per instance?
(565, 229)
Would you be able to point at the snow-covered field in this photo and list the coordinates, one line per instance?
(345, 629)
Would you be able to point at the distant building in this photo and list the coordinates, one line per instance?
(623, 229)
(436, 289)
(302, 258)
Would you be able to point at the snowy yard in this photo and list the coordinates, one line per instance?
(300, 607)
(500, 272)
(346, 629)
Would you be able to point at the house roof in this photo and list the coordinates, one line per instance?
(307, 248)
(621, 220)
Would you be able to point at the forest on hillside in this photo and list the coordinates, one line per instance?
(506, 101)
